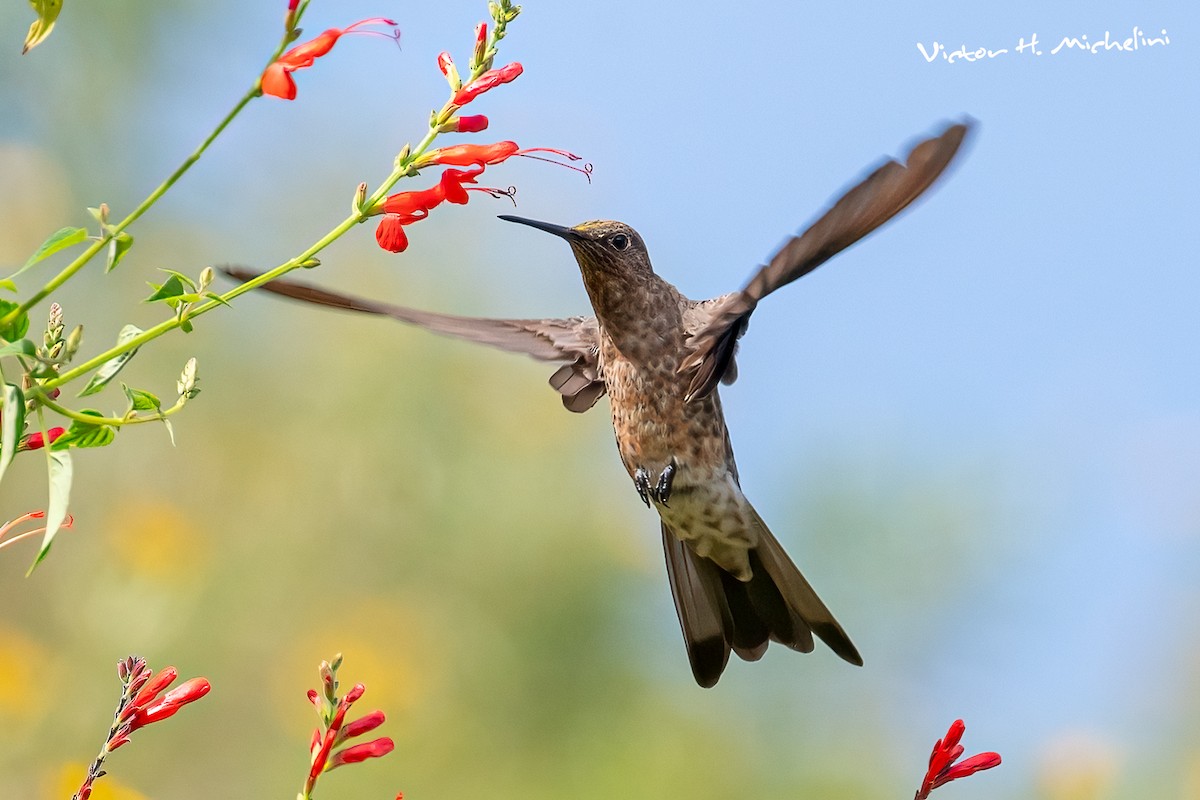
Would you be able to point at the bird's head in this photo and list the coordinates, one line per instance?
(605, 250)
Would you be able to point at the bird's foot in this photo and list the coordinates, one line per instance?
(660, 492)
(641, 480)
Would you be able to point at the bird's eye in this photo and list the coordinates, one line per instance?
(620, 241)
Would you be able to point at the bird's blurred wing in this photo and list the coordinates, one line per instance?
(574, 341)
(876, 199)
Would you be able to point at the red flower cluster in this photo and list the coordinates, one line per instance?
(942, 768)
(406, 208)
(332, 711)
(147, 706)
(141, 705)
(277, 78)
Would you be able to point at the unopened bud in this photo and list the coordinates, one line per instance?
(405, 152)
(187, 380)
(446, 65)
(360, 197)
(206, 279)
(477, 57)
(74, 339)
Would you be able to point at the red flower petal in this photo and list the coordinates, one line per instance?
(390, 234)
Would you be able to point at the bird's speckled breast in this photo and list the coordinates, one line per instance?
(654, 427)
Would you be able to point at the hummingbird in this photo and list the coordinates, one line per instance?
(659, 357)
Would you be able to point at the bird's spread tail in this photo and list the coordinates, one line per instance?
(718, 613)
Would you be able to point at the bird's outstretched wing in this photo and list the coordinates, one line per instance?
(574, 341)
(879, 197)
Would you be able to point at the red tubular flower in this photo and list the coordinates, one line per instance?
(187, 692)
(35, 441)
(361, 752)
(277, 78)
(362, 725)
(942, 768)
(150, 689)
(405, 208)
(488, 80)
(470, 124)
(467, 155)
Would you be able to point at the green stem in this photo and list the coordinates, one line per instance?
(107, 236)
(116, 422)
(402, 168)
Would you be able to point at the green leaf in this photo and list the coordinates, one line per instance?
(114, 365)
(167, 291)
(216, 298)
(184, 278)
(6, 283)
(84, 434)
(47, 12)
(140, 400)
(59, 240)
(60, 494)
(118, 246)
(21, 347)
(18, 327)
(12, 423)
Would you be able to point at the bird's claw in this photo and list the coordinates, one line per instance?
(660, 492)
(641, 480)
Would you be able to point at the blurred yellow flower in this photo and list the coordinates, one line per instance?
(1077, 765)
(67, 779)
(22, 665)
(156, 540)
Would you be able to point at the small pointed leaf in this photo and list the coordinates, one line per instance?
(18, 327)
(140, 400)
(110, 368)
(118, 246)
(60, 495)
(172, 288)
(12, 423)
(47, 14)
(59, 240)
(21, 347)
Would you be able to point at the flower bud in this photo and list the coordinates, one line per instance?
(74, 339)
(446, 65)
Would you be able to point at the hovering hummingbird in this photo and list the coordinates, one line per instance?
(659, 356)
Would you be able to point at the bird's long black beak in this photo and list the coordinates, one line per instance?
(560, 231)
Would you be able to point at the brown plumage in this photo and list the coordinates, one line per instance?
(659, 356)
